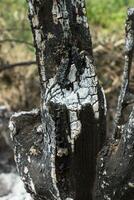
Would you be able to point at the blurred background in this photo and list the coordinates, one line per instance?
(19, 82)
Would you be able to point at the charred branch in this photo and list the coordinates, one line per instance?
(115, 177)
(126, 96)
(16, 41)
(4, 67)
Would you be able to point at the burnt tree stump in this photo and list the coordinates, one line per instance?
(56, 146)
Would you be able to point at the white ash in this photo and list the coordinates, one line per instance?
(12, 128)
(75, 126)
(130, 184)
(106, 197)
(12, 188)
(25, 170)
(62, 151)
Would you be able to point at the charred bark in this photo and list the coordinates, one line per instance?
(115, 175)
(56, 147)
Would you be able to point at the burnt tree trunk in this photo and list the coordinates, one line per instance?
(56, 146)
(59, 161)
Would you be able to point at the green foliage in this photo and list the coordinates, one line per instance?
(14, 22)
(109, 14)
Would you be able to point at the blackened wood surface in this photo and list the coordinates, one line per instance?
(115, 167)
(73, 106)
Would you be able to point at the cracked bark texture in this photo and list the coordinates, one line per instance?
(56, 148)
(115, 168)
